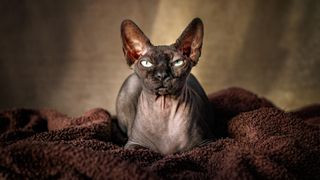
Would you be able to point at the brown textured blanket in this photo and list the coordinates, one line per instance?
(257, 141)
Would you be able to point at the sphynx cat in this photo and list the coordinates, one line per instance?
(161, 105)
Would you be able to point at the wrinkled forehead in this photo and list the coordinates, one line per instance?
(163, 53)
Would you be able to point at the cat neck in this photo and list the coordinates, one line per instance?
(165, 102)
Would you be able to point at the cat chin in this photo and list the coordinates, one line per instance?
(162, 91)
(166, 92)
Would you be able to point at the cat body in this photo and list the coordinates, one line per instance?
(161, 105)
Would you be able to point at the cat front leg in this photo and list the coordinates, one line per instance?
(127, 102)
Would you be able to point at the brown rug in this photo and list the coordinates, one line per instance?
(256, 141)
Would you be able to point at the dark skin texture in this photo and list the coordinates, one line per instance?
(161, 105)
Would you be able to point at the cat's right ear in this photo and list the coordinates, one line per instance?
(134, 42)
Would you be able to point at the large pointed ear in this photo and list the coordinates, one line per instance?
(190, 41)
(134, 42)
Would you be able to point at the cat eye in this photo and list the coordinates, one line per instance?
(178, 63)
(146, 63)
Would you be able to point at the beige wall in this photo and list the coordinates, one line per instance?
(67, 54)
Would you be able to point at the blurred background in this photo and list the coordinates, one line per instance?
(67, 55)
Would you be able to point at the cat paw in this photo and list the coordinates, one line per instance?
(132, 145)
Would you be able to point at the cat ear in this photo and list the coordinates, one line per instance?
(190, 41)
(134, 42)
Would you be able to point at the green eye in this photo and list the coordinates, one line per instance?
(178, 63)
(146, 63)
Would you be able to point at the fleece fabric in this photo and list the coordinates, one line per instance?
(255, 140)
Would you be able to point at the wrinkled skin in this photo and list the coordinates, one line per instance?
(161, 105)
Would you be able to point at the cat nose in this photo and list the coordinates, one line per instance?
(161, 75)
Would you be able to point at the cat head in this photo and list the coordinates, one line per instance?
(162, 69)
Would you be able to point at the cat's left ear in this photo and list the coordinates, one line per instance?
(190, 41)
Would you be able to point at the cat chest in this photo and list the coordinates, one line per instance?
(166, 123)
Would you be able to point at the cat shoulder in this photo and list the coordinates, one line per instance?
(132, 84)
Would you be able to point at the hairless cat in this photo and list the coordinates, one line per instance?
(161, 105)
